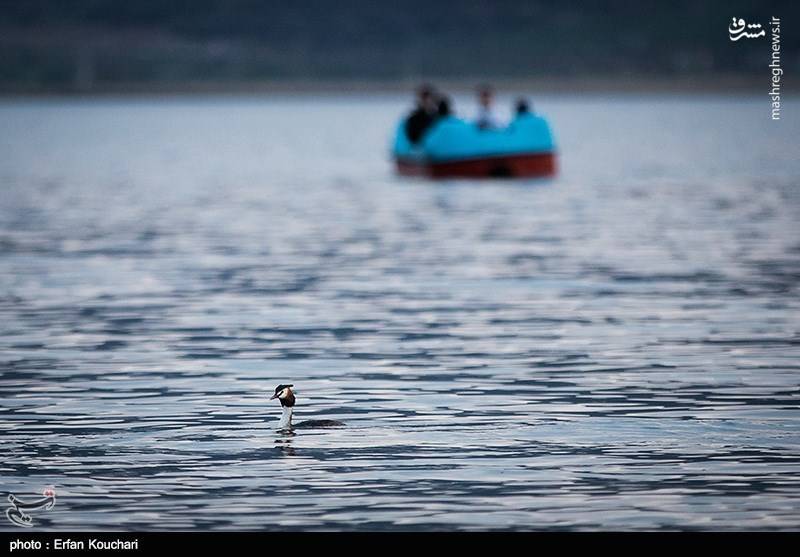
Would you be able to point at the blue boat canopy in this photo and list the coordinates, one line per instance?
(451, 138)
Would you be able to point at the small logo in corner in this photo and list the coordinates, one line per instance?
(16, 512)
(738, 29)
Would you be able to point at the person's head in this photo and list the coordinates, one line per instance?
(485, 96)
(522, 107)
(444, 107)
(426, 96)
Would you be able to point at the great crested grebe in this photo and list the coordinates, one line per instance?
(286, 396)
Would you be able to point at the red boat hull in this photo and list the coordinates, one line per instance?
(532, 165)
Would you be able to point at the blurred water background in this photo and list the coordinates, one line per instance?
(615, 348)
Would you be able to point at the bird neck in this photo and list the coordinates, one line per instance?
(286, 418)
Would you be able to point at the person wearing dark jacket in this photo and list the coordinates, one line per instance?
(423, 115)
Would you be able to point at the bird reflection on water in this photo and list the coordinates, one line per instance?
(284, 445)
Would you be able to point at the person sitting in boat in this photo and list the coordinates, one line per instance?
(522, 112)
(486, 119)
(447, 128)
(522, 107)
(423, 115)
(444, 110)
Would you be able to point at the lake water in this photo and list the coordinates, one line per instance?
(617, 348)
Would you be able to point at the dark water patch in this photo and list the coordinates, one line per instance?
(701, 276)
(537, 320)
(111, 345)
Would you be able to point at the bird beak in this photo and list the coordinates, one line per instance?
(274, 396)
